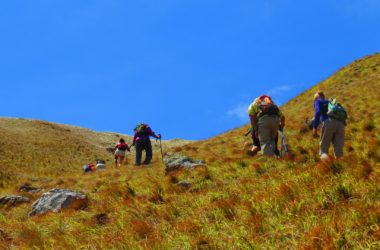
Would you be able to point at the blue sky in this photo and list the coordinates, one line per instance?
(189, 68)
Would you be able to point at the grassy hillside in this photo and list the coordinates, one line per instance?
(236, 202)
(33, 148)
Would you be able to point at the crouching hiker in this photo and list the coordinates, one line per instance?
(266, 119)
(333, 118)
(141, 141)
(119, 150)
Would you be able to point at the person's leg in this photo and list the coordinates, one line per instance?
(338, 140)
(121, 160)
(116, 159)
(265, 132)
(149, 154)
(138, 148)
(276, 151)
(255, 143)
(327, 133)
(274, 125)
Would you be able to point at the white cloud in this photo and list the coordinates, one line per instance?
(279, 90)
(240, 111)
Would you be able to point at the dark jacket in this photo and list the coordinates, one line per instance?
(320, 111)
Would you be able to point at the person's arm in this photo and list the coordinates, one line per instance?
(151, 133)
(252, 113)
(253, 122)
(317, 116)
(282, 122)
(134, 139)
(250, 130)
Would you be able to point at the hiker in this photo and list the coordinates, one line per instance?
(332, 116)
(266, 119)
(320, 111)
(141, 141)
(256, 143)
(119, 150)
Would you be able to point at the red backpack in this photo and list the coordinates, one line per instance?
(122, 146)
(267, 106)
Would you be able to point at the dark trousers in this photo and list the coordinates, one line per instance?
(256, 142)
(140, 146)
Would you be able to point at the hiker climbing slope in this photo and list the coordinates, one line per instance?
(266, 119)
(119, 150)
(141, 141)
(320, 111)
(333, 118)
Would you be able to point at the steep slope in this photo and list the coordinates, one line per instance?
(236, 201)
(355, 86)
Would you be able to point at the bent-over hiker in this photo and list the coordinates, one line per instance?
(266, 119)
(119, 150)
(141, 141)
(333, 118)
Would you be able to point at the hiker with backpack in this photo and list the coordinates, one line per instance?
(141, 141)
(119, 152)
(333, 118)
(320, 111)
(266, 119)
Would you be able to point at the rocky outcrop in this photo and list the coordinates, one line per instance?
(178, 161)
(13, 200)
(58, 199)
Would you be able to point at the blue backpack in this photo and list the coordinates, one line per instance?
(336, 111)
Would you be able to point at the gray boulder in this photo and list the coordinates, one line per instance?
(57, 199)
(100, 166)
(13, 200)
(178, 161)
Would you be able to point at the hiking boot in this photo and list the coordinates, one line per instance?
(325, 157)
(254, 150)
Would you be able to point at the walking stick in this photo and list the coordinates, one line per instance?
(283, 143)
(162, 154)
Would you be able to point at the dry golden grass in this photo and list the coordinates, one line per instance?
(236, 202)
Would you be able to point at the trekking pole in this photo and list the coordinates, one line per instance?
(162, 154)
(283, 143)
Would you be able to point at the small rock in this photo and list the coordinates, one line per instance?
(101, 219)
(29, 189)
(184, 184)
(100, 161)
(13, 200)
(177, 161)
(100, 164)
(57, 199)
